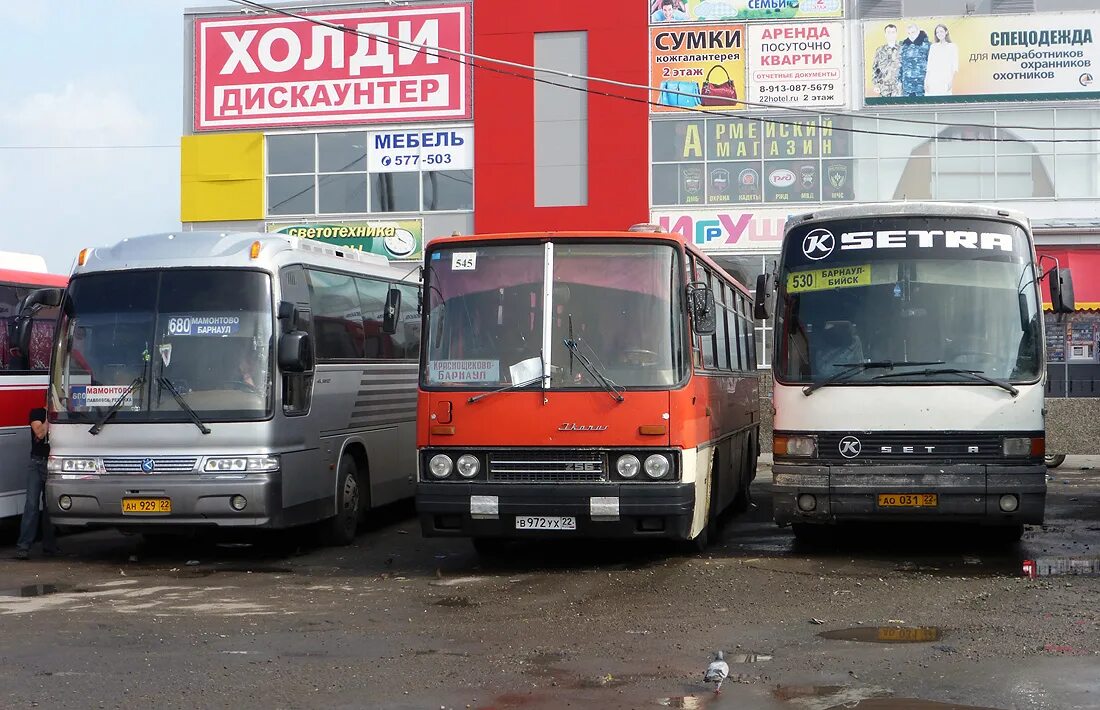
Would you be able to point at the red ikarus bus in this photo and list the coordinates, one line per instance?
(596, 384)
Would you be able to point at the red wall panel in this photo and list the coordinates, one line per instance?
(504, 131)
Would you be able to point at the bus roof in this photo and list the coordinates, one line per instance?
(19, 261)
(910, 209)
(226, 249)
(32, 278)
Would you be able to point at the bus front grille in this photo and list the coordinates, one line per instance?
(160, 464)
(547, 467)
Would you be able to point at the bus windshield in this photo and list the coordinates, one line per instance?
(614, 307)
(944, 294)
(135, 336)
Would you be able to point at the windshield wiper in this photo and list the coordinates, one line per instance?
(167, 384)
(98, 426)
(606, 382)
(854, 367)
(976, 374)
(513, 386)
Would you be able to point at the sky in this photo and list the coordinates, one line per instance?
(89, 73)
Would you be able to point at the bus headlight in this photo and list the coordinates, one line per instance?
(241, 464)
(441, 465)
(1021, 446)
(802, 446)
(628, 466)
(656, 466)
(63, 464)
(468, 466)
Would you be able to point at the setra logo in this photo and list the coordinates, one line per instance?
(818, 244)
(147, 465)
(850, 447)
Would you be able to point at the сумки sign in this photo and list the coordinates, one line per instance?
(281, 71)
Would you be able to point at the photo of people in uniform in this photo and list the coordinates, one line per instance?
(917, 65)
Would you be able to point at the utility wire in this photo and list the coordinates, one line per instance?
(84, 147)
(466, 57)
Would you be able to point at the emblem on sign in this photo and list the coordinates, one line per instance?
(850, 447)
(818, 244)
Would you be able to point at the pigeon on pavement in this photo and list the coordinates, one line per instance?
(717, 671)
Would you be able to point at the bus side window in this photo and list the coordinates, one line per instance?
(372, 298)
(722, 298)
(408, 324)
(709, 356)
(338, 325)
(10, 358)
(736, 360)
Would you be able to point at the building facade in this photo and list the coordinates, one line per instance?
(372, 137)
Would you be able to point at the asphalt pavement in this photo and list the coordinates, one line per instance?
(879, 617)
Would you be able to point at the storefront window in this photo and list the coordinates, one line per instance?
(361, 172)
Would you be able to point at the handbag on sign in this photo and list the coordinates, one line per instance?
(684, 94)
(723, 94)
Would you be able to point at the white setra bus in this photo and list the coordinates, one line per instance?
(909, 367)
(207, 379)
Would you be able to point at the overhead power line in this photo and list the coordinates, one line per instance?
(471, 59)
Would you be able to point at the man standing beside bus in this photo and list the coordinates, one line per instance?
(33, 510)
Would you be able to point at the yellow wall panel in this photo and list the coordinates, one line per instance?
(222, 177)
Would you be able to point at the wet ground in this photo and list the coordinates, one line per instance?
(879, 618)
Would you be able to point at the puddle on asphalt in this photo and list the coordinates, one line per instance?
(904, 704)
(35, 590)
(885, 634)
(681, 701)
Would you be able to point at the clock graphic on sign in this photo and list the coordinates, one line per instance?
(401, 243)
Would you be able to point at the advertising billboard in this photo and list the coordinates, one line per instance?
(796, 65)
(255, 72)
(730, 229)
(393, 239)
(662, 11)
(1040, 57)
(697, 67)
(718, 161)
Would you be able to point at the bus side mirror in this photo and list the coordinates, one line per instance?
(43, 297)
(286, 311)
(760, 302)
(1061, 290)
(391, 311)
(295, 352)
(703, 314)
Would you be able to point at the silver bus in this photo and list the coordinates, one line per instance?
(206, 379)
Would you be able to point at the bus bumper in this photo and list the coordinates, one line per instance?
(965, 493)
(196, 501)
(659, 510)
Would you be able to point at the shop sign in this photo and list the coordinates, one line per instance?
(698, 67)
(800, 65)
(279, 71)
(785, 159)
(1037, 57)
(730, 230)
(412, 150)
(662, 11)
(393, 239)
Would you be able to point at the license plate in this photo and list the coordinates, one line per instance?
(907, 500)
(543, 522)
(146, 505)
